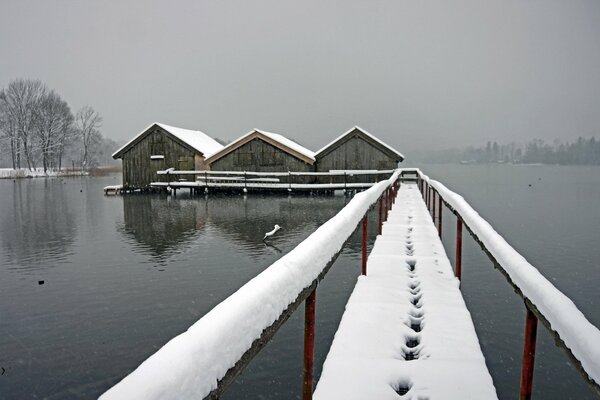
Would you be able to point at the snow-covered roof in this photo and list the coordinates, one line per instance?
(358, 128)
(289, 143)
(196, 139)
(275, 139)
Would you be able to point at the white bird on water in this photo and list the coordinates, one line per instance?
(271, 233)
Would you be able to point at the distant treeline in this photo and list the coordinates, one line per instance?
(581, 152)
(38, 129)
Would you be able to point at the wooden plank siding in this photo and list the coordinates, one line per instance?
(139, 170)
(260, 156)
(355, 153)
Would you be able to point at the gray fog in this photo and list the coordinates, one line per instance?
(415, 73)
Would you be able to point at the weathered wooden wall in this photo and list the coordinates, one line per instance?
(258, 155)
(355, 153)
(139, 170)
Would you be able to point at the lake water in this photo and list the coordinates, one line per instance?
(122, 275)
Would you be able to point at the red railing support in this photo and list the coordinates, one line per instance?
(380, 214)
(364, 244)
(433, 203)
(440, 215)
(528, 355)
(386, 205)
(459, 225)
(309, 345)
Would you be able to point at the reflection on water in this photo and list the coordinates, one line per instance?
(160, 227)
(123, 275)
(39, 228)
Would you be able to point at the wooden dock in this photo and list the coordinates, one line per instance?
(252, 181)
(406, 329)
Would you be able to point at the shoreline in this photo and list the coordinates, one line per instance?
(25, 173)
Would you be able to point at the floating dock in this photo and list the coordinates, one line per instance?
(406, 329)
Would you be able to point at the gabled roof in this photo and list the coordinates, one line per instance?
(195, 140)
(367, 136)
(275, 139)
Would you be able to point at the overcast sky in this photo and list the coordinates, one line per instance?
(415, 73)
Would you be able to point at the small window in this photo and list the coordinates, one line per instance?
(157, 149)
(244, 158)
(271, 158)
(186, 163)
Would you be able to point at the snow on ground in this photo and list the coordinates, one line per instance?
(406, 329)
(575, 330)
(190, 365)
(9, 173)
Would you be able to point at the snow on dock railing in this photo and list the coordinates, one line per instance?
(202, 361)
(349, 172)
(574, 333)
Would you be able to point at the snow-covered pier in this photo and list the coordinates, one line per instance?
(406, 332)
(252, 181)
(406, 328)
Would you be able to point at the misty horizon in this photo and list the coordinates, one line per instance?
(415, 75)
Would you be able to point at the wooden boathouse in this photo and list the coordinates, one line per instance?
(357, 149)
(159, 147)
(163, 157)
(261, 151)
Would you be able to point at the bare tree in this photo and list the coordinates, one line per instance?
(19, 103)
(88, 122)
(53, 122)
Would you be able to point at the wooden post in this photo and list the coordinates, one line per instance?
(528, 355)
(380, 213)
(459, 225)
(439, 215)
(309, 345)
(364, 244)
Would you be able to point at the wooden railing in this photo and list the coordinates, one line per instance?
(434, 195)
(284, 180)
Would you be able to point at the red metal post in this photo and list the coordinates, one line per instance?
(440, 215)
(364, 244)
(428, 198)
(433, 204)
(528, 355)
(459, 225)
(387, 203)
(380, 213)
(309, 345)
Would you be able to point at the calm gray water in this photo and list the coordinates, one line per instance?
(123, 275)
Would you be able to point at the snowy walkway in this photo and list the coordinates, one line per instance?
(406, 329)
